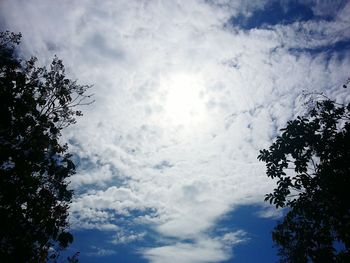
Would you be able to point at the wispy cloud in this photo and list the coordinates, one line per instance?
(270, 212)
(123, 237)
(100, 252)
(202, 250)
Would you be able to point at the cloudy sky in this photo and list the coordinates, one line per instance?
(186, 93)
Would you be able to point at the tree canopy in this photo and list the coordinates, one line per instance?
(36, 103)
(310, 161)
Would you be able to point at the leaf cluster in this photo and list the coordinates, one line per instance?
(310, 161)
(36, 103)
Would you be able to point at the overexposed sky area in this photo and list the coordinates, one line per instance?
(186, 93)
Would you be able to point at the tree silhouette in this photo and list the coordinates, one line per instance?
(311, 162)
(36, 103)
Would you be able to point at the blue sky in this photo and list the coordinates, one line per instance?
(186, 93)
(258, 246)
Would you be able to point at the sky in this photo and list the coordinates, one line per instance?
(186, 94)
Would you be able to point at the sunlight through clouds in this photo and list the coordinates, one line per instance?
(183, 102)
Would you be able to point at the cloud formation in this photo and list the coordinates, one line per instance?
(184, 101)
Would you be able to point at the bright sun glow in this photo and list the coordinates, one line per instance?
(183, 99)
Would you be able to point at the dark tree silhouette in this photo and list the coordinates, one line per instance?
(311, 162)
(36, 103)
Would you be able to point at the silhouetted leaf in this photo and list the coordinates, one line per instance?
(318, 147)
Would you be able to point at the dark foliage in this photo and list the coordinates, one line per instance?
(35, 104)
(311, 162)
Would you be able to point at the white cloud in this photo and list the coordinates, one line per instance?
(201, 251)
(122, 237)
(270, 212)
(326, 7)
(233, 238)
(100, 252)
(184, 169)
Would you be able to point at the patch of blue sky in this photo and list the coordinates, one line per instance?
(280, 12)
(259, 246)
(96, 246)
(123, 245)
(274, 13)
(339, 48)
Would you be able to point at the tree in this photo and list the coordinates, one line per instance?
(311, 162)
(36, 103)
